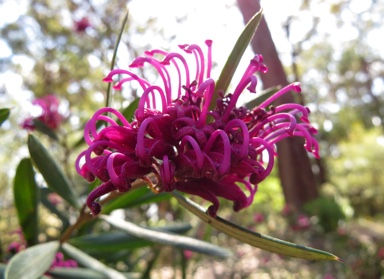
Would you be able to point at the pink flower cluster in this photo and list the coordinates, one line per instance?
(49, 116)
(82, 25)
(18, 246)
(176, 142)
(59, 261)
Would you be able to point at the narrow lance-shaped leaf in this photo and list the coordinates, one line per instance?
(235, 56)
(50, 170)
(134, 197)
(167, 238)
(32, 262)
(90, 262)
(115, 241)
(256, 239)
(129, 111)
(25, 195)
(44, 194)
(2, 270)
(151, 263)
(4, 114)
(75, 273)
(41, 127)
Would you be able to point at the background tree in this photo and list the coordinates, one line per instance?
(295, 171)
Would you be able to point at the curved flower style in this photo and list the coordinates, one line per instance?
(176, 139)
(50, 114)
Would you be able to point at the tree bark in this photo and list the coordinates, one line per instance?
(296, 176)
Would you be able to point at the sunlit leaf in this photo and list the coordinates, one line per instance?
(133, 198)
(90, 262)
(235, 56)
(25, 195)
(32, 262)
(4, 114)
(167, 238)
(112, 242)
(50, 170)
(253, 238)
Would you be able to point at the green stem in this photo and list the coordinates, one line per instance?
(108, 101)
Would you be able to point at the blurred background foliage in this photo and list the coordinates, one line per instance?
(43, 50)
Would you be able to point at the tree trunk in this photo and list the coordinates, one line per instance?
(294, 167)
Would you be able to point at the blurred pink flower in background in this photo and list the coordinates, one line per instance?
(17, 246)
(49, 113)
(59, 261)
(380, 253)
(82, 25)
(302, 223)
(258, 217)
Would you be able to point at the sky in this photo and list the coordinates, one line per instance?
(198, 20)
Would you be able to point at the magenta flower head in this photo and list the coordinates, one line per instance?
(82, 25)
(176, 142)
(49, 113)
(59, 261)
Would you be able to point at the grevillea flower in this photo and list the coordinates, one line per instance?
(49, 113)
(302, 223)
(59, 261)
(82, 25)
(176, 142)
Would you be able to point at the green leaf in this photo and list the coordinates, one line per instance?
(129, 111)
(263, 95)
(150, 264)
(52, 173)
(2, 270)
(25, 194)
(4, 114)
(253, 238)
(108, 242)
(41, 127)
(167, 238)
(108, 101)
(112, 242)
(44, 192)
(89, 262)
(234, 58)
(76, 273)
(84, 273)
(133, 198)
(32, 262)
